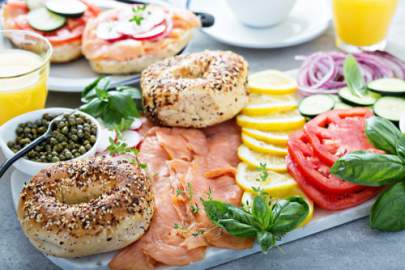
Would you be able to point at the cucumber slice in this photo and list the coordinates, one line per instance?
(346, 95)
(316, 104)
(43, 20)
(67, 8)
(35, 4)
(388, 86)
(390, 108)
(342, 106)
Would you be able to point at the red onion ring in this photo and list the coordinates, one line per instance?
(322, 72)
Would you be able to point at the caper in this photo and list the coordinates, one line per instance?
(87, 146)
(65, 130)
(55, 159)
(82, 150)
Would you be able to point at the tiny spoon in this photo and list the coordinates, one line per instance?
(30, 146)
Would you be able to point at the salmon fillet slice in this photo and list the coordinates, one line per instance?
(179, 161)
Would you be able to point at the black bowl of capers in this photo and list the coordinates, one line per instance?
(74, 136)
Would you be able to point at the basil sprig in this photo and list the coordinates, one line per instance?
(353, 77)
(116, 107)
(267, 221)
(372, 169)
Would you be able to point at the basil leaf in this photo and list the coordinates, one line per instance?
(288, 214)
(94, 107)
(217, 210)
(266, 240)
(261, 211)
(353, 76)
(236, 228)
(383, 134)
(132, 91)
(401, 148)
(123, 104)
(369, 169)
(90, 91)
(387, 213)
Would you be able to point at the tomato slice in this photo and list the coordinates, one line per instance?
(330, 201)
(336, 133)
(316, 171)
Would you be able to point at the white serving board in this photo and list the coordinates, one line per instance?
(322, 220)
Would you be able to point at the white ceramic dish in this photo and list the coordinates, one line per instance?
(308, 20)
(7, 133)
(323, 220)
(262, 13)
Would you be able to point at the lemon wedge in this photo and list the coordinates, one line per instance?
(277, 184)
(263, 147)
(271, 82)
(254, 159)
(273, 122)
(268, 104)
(276, 137)
(248, 197)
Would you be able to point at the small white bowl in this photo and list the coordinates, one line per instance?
(402, 123)
(7, 133)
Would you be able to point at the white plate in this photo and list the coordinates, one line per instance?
(322, 220)
(308, 20)
(74, 76)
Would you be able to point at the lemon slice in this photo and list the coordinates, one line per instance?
(277, 184)
(273, 122)
(271, 82)
(254, 159)
(276, 137)
(248, 197)
(263, 147)
(267, 104)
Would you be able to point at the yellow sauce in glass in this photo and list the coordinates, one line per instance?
(363, 22)
(23, 93)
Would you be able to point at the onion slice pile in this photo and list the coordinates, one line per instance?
(322, 72)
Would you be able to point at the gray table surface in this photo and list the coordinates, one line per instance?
(351, 246)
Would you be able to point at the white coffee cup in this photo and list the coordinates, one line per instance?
(261, 13)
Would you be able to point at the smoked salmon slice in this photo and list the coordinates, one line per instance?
(179, 161)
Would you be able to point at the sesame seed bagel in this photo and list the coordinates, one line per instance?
(83, 207)
(195, 90)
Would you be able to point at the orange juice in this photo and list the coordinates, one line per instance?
(363, 22)
(23, 81)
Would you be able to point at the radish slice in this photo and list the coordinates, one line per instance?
(105, 135)
(131, 138)
(152, 34)
(108, 31)
(136, 124)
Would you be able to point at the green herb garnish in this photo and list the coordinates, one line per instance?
(194, 208)
(198, 233)
(353, 77)
(137, 16)
(372, 169)
(267, 221)
(117, 107)
(264, 174)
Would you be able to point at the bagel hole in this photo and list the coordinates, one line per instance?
(192, 72)
(75, 195)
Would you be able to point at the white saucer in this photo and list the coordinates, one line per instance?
(308, 20)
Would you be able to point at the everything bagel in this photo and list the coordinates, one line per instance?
(196, 90)
(84, 207)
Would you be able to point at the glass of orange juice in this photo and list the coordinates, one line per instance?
(24, 69)
(362, 24)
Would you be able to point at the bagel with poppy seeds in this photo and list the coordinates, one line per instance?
(196, 90)
(84, 207)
